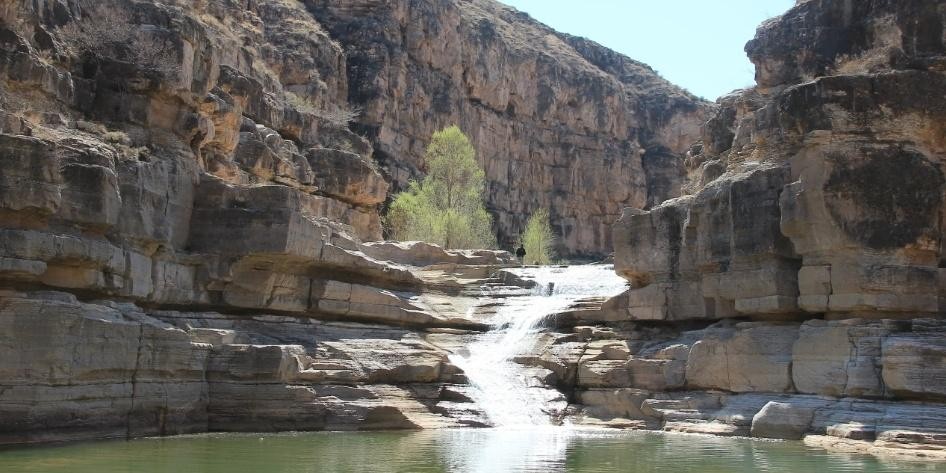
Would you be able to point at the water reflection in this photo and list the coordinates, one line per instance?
(460, 451)
(469, 451)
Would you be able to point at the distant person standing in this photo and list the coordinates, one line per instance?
(521, 254)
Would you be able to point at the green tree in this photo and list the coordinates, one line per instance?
(447, 207)
(537, 239)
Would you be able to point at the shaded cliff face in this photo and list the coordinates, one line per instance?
(807, 250)
(558, 122)
(796, 288)
(818, 192)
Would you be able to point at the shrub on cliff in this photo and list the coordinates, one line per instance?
(106, 30)
(537, 238)
(447, 207)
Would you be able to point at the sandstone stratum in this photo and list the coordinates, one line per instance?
(191, 236)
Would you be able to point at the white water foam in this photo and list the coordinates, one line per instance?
(502, 387)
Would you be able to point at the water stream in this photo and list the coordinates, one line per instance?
(500, 386)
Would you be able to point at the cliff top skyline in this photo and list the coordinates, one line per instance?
(701, 50)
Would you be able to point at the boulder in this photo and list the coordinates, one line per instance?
(780, 420)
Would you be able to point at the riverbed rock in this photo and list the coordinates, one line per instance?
(418, 253)
(784, 420)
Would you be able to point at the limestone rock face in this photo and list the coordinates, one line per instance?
(747, 359)
(852, 380)
(715, 255)
(817, 192)
(847, 38)
(224, 190)
(798, 279)
(840, 358)
(74, 371)
(914, 365)
(558, 122)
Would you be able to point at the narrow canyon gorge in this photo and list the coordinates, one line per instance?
(192, 239)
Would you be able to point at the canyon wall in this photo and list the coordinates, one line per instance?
(797, 287)
(183, 211)
(820, 191)
(187, 214)
(558, 122)
(185, 202)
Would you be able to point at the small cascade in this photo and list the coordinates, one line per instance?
(502, 387)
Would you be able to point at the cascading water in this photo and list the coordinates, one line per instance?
(502, 387)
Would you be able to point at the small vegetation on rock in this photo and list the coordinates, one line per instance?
(448, 206)
(537, 239)
(339, 116)
(108, 31)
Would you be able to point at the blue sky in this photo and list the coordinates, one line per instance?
(697, 44)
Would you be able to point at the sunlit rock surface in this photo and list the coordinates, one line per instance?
(199, 250)
(158, 220)
(558, 122)
(795, 288)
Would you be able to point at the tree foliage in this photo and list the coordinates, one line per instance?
(447, 207)
(537, 239)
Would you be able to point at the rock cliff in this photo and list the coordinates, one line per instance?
(183, 211)
(187, 189)
(189, 203)
(797, 285)
(558, 122)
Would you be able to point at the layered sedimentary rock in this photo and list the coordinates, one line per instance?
(182, 242)
(182, 236)
(264, 93)
(796, 287)
(819, 191)
(184, 207)
(75, 370)
(558, 122)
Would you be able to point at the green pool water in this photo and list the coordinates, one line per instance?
(467, 450)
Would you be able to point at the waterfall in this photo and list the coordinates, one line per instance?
(502, 387)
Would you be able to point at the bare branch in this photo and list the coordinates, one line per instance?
(339, 116)
(109, 31)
